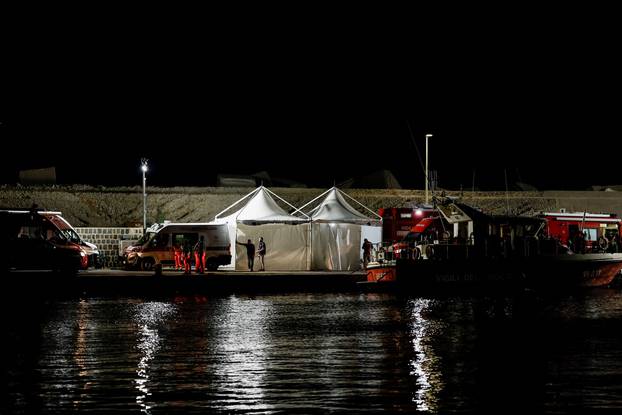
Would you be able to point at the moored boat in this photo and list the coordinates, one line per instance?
(493, 251)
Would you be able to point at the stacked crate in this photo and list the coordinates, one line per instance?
(109, 242)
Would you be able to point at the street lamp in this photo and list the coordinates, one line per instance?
(426, 167)
(144, 167)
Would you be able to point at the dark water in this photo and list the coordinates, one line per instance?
(309, 353)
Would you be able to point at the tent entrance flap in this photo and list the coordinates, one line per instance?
(336, 247)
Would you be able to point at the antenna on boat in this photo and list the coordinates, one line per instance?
(507, 196)
(427, 178)
(412, 138)
(423, 168)
(473, 183)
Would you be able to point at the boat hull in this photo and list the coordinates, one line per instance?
(586, 270)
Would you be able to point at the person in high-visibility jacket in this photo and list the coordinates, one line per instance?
(177, 252)
(199, 250)
(187, 257)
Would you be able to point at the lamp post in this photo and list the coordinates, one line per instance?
(144, 167)
(426, 167)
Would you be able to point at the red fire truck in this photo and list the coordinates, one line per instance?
(598, 231)
(399, 222)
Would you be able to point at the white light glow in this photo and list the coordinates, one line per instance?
(426, 365)
(148, 316)
(242, 340)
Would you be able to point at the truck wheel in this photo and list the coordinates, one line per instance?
(147, 264)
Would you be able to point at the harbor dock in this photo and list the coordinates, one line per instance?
(169, 282)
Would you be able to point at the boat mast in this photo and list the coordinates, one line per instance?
(427, 181)
(507, 196)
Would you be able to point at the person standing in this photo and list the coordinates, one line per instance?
(187, 255)
(199, 249)
(390, 251)
(177, 252)
(250, 253)
(261, 252)
(366, 252)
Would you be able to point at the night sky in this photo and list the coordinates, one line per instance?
(543, 105)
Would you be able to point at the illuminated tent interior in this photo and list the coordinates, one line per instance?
(338, 231)
(258, 214)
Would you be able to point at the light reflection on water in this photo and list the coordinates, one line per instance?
(243, 340)
(80, 355)
(425, 364)
(315, 353)
(148, 317)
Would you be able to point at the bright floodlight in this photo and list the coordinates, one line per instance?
(428, 135)
(144, 166)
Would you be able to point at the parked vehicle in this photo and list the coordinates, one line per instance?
(155, 248)
(397, 223)
(38, 239)
(90, 249)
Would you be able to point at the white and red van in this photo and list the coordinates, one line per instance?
(156, 247)
(39, 239)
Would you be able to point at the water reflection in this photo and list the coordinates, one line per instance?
(242, 339)
(81, 355)
(310, 353)
(426, 365)
(149, 317)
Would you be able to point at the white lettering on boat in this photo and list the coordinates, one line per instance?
(591, 274)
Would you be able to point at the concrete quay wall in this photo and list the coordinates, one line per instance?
(93, 206)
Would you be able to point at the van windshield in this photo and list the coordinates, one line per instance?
(146, 237)
(71, 235)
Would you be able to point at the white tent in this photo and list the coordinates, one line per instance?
(286, 236)
(338, 230)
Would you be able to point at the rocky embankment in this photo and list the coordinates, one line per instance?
(123, 206)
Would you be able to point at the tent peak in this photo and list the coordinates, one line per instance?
(335, 208)
(261, 207)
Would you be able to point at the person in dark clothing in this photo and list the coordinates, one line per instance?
(261, 252)
(366, 252)
(250, 253)
(614, 246)
(199, 249)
